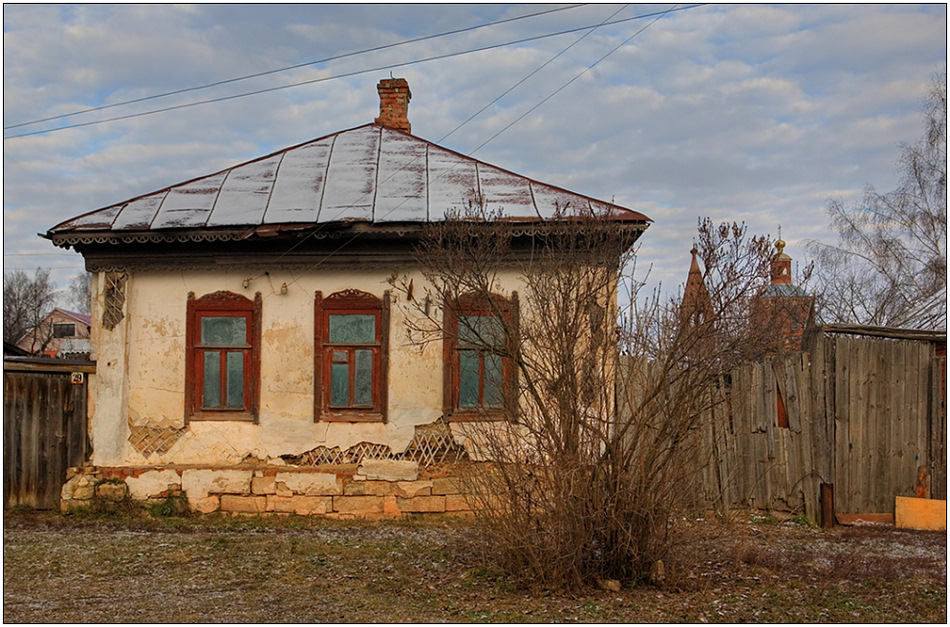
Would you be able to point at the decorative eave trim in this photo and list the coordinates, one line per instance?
(317, 231)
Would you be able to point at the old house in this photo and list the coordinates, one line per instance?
(62, 333)
(249, 353)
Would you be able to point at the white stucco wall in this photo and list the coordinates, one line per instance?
(141, 370)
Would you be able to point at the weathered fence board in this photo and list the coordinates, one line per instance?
(863, 413)
(44, 433)
(938, 428)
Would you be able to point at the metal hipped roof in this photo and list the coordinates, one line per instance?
(370, 174)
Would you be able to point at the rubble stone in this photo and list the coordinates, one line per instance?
(152, 483)
(263, 485)
(358, 505)
(422, 504)
(311, 483)
(201, 483)
(112, 491)
(389, 469)
(245, 504)
(411, 489)
(302, 505)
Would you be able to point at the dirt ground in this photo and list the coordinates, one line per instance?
(84, 568)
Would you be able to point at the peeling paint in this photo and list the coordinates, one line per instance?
(142, 374)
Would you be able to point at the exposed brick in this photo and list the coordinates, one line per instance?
(358, 505)
(422, 504)
(302, 505)
(245, 504)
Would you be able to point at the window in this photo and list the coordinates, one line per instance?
(222, 370)
(64, 329)
(479, 381)
(351, 356)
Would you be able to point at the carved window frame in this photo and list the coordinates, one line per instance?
(359, 303)
(222, 303)
(476, 305)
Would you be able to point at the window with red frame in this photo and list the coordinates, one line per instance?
(351, 350)
(479, 380)
(222, 370)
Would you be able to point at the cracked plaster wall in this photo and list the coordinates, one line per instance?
(141, 366)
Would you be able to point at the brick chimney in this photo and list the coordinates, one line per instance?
(394, 96)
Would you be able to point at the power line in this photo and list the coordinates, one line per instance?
(565, 85)
(538, 69)
(343, 75)
(319, 227)
(290, 67)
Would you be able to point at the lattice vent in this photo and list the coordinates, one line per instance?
(150, 440)
(432, 444)
(367, 450)
(114, 299)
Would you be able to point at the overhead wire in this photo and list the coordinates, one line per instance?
(296, 66)
(565, 85)
(342, 75)
(657, 15)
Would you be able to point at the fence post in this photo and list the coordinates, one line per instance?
(827, 499)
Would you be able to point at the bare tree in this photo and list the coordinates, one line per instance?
(80, 293)
(584, 478)
(26, 303)
(889, 267)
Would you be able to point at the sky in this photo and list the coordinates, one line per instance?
(752, 113)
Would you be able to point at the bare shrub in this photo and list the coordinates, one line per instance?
(591, 432)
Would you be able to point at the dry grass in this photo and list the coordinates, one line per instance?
(210, 569)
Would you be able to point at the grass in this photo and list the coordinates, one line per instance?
(138, 568)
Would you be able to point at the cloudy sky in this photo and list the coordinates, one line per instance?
(753, 113)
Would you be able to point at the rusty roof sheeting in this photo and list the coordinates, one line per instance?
(370, 174)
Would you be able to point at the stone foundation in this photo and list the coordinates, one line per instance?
(372, 489)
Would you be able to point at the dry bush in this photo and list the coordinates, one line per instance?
(598, 446)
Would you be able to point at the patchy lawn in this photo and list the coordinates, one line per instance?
(295, 569)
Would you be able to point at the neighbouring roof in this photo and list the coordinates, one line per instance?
(369, 174)
(85, 318)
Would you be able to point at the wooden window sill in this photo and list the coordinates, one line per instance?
(351, 416)
(477, 417)
(222, 416)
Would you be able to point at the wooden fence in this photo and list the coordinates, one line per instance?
(44, 427)
(861, 413)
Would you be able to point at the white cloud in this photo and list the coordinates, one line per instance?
(743, 112)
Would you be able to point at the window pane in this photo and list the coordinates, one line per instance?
(223, 331)
(212, 382)
(235, 380)
(339, 385)
(352, 329)
(468, 378)
(492, 386)
(481, 331)
(363, 378)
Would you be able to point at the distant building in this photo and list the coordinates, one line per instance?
(62, 333)
(782, 310)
